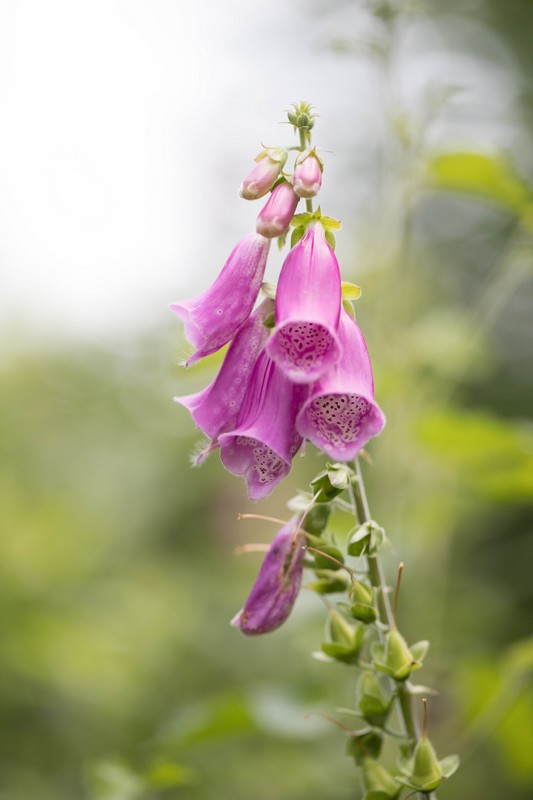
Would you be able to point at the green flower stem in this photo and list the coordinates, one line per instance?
(377, 579)
(303, 146)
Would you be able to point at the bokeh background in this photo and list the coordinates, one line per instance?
(126, 129)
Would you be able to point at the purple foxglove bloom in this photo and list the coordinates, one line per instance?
(273, 594)
(265, 439)
(261, 179)
(307, 176)
(340, 414)
(308, 303)
(214, 317)
(215, 409)
(275, 217)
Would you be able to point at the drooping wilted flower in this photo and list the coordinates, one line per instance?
(308, 302)
(273, 594)
(275, 217)
(307, 175)
(340, 414)
(216, 408)
(213, 318)
(265, 440)
(264, 175)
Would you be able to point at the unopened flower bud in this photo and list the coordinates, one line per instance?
(264, 175)
(307, 175)
(275, 217)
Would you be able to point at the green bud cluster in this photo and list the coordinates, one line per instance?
(361, 632)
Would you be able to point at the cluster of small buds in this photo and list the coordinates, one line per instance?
(307, 376)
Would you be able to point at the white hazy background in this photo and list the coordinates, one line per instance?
(126, 127)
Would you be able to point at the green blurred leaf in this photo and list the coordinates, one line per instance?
(491, 178)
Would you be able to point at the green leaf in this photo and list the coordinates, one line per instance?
(487, 177)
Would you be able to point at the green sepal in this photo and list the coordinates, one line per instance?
(423, 771)
(348, 307)
(379, 783)
(345, 639)
(372, 704)
(330, 239)
(323, 562)
(419, 650)
(350, 291)
(330, 224)
(296, 235)
(329, 581)
(331, 481)
(277, 154)
(368, 538)
(302, 219)
(364, 744)
(317, 518)
(394, 658)
(282, 240)
(363, 607)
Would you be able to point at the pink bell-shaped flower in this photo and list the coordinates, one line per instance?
(304, 342)
(214, 317)
(340, 414)
(307, 175)
(215, 408)
(275, 217)
(275, 590)
(265, 439)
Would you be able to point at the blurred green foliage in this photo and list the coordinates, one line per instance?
(120, 675)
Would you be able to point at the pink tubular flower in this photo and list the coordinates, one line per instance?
(275, 217)
(340, 414)
(265, 439)
(308, 302)
(307, 176)
(214, 317)
(263, 176)
(273, 594)
(216, 408)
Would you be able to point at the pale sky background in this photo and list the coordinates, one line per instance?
(126, 127)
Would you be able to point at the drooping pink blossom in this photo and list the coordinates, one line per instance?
(307, 176)
(275, 590)
(304, 342)
(340, 414)
(263, 176)
(265, 439)
(275, 217)
(213, 318)
(216, 408)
